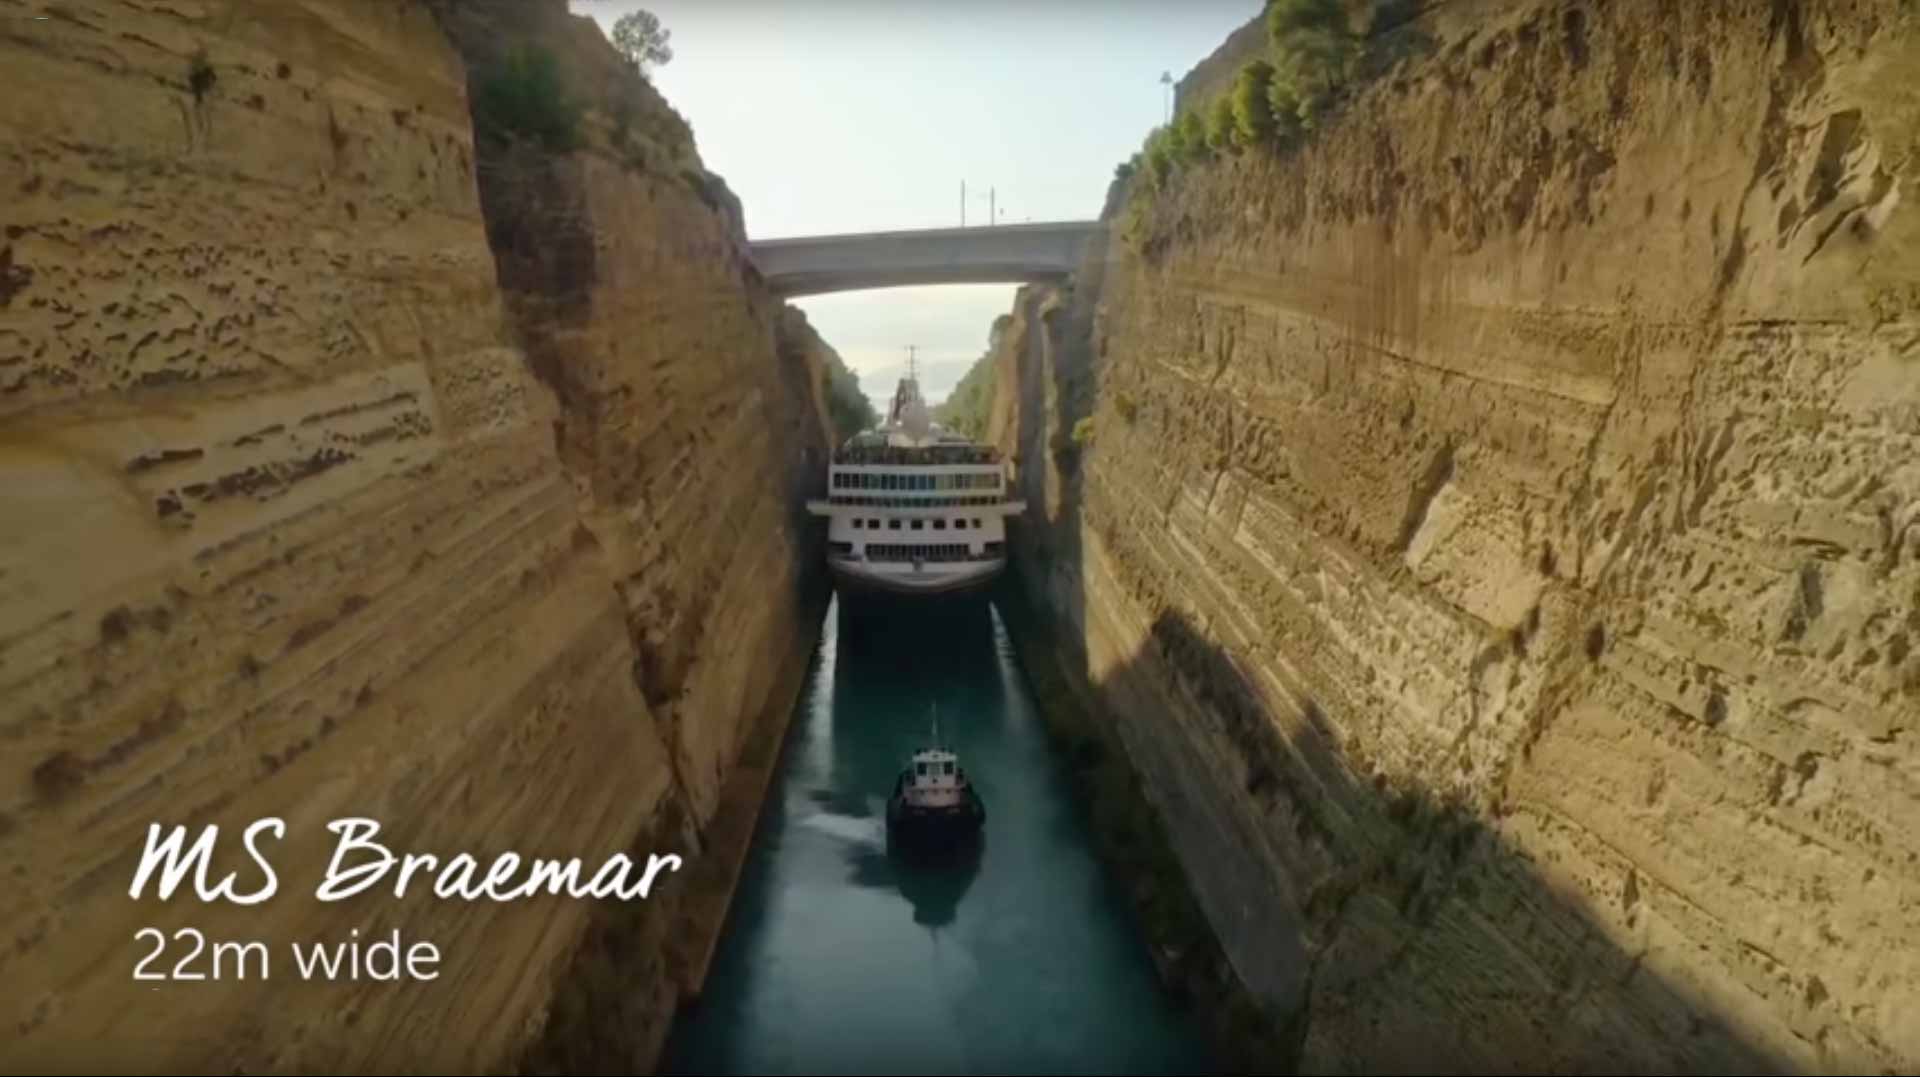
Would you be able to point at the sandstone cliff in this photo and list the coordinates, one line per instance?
(312, 504)
(1497, 540)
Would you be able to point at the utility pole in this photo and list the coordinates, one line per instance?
(991, 219)
(963, 203)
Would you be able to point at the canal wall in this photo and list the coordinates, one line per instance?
(1489, 527)
(354, 463)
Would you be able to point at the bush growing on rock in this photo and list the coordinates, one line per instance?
(1192, 138)
(1284, 104)
(1314, 50)
(1252, 112)
(524, 98)
(1223, 130)
(1160, 155)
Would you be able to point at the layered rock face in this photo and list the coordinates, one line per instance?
(1497, 538)
(303, 515)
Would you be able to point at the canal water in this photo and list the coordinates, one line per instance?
(842, 956)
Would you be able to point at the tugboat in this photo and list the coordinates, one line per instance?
(933, 802)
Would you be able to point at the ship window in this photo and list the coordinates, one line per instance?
(858, 522)
(940, 525)
(947, 768)
(920, 769)
(873, 525)
(919, 525)
(976, 521)
(893, 525)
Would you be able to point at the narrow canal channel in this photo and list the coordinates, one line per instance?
(843, 958)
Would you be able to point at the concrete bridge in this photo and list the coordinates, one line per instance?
(1000, 253)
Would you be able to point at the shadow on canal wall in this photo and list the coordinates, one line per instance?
(1318, 918)
(1370, 928)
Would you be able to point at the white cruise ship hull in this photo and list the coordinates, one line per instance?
(905, 578)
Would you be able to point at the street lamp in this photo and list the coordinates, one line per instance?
(963, 204)
(1166, 79)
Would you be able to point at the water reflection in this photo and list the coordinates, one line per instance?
(844, 955)
(933, 883)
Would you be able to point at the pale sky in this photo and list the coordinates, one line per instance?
(865, 115)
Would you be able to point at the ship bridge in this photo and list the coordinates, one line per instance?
(984, 254)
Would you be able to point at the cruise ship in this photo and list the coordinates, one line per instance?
(913, 508)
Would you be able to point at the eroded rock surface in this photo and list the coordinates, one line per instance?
(1498, 536)
(303, 514)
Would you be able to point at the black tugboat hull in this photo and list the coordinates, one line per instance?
(921, 827)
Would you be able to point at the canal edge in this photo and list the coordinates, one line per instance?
(736, 823)
(1130, 841)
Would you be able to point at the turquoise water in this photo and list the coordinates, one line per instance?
(841, 957)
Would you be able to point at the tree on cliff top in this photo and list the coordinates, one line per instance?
(642, 40)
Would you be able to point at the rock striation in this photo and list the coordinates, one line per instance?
(1494, 531)
(325, 492)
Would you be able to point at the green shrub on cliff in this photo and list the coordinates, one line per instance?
(1223, 130)
(1252, 114)
(1314, 50)
(523, 98)
(1160, 155)
(1190, 137)
(1283, 104)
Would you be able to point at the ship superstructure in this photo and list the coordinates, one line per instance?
(912, 508)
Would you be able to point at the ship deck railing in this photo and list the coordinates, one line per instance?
(934, 553)
(928, 456)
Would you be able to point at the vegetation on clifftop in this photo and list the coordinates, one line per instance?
(642, 40)
(1315, 59)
